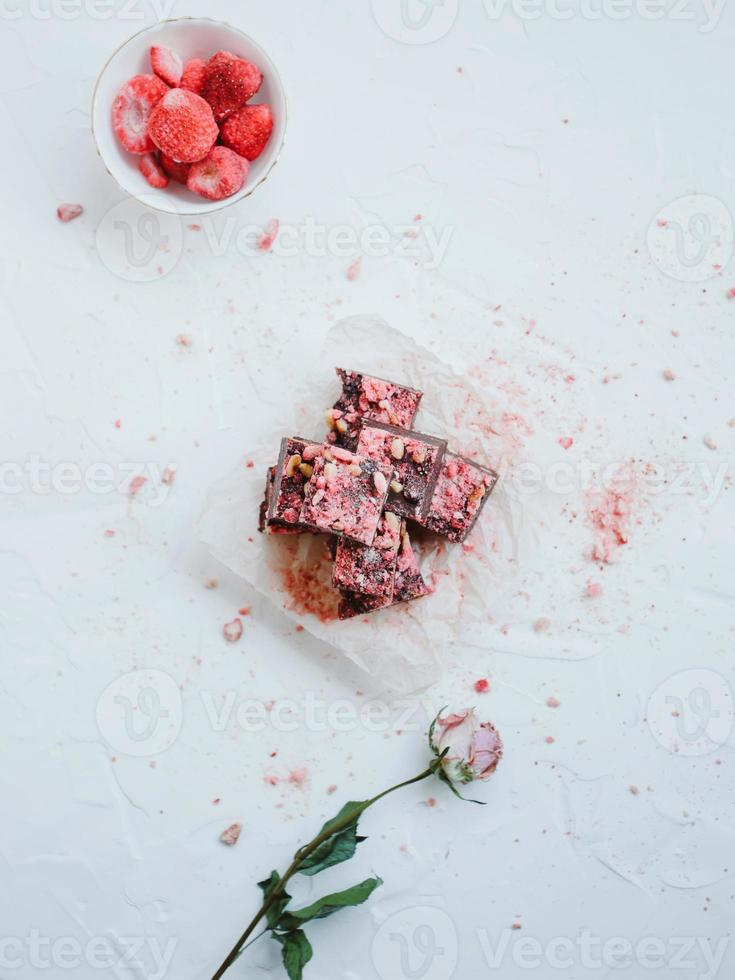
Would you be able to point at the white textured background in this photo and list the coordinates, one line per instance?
(546, 149)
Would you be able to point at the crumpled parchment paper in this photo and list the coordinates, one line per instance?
(405, 646)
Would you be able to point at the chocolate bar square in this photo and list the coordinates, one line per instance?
(370, 569)
(461, 492)
(416, 459)
(289, 483)
(346, 493)
(364, 396)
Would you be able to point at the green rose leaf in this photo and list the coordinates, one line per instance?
(354, 807)
(330, 904)
(274, 912)
(296, 952)
(341, 847)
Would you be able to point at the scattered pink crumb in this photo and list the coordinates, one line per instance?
(244, 610)
(136, 485)
(169, 475)
(482, 686)
(731, 293)
(355, 269)
(418, 217)
(299, 777)
(593, 590)
(553, 702)
(231, 836)
(271, 780)
(634, 791)
(184, 339)
(549, 739)
(232, 631)
(270, 233)
(662, 223)
(542, 625)
(118, 423)
(211, 583)
(669, 375)
(299, 628)
(566, 442)
(194, 227)
(216, 801)
(109, 533)
(709, 442)
(431, 801)
(249, 464)
(516, 926)
(332, 789)
(609, 515)
(152, 764)
(68, 212)
(731, 423)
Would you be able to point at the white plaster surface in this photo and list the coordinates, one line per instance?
(581, 173)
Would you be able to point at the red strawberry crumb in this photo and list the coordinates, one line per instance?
(593, 590)
(482, 686)
(669, 375)
(211, 583)
(177, 171)
(431, 801)
(167, 65)
(118, 423)
(299, 628)
(184, 339)
(553, 702)
(270, 233)
(516, 926)
(731, 293)
(248, 130)
(220, 175)
(549, 739)
(109, 534)
(169, 475)
(244, 610)
(232, 631)
(192, 79)
(566, 442)
(332, 789)
(152, 171)
(231, 836)
(68, 212)
(355, 269)
(132, 109)
(136, 485)
(299, 777)
(542, 625)
(230, 82)
(271, 780)
(216, 801)
(182, 126)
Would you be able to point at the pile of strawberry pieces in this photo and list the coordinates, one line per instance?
(192, 123)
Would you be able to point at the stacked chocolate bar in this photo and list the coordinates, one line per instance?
(370, 476)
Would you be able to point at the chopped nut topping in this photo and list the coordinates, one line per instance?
(341, 426)
(330, 470)
(355, 470)
(329, 419)
(327, 454)
(395, 486)
(292, 465)
(419, 456)
(392, 521)
(338, 526)
(397, 449)
(307, 470)
(381, 484)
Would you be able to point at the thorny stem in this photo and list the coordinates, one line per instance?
(304, 852)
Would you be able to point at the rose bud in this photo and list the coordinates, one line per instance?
(467, 748)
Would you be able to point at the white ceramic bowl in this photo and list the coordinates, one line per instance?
(190, 37)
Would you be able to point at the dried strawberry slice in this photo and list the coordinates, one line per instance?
(132, 108)
(230, 83)
(195, 71)
(182, 126)
(152, 171)
(222, 174)
(248, 130)
(177, 171)
(167, 65)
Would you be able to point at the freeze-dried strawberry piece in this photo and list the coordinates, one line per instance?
(220, 175)
(195, 71)
(248, 130)
(68, 212)
(132, 108)
(230, 83)
(182, 126)
(167, 65)
(151, 170)
(177, 171)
